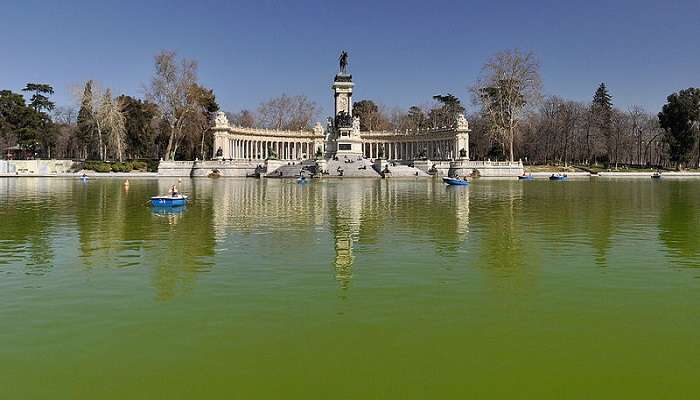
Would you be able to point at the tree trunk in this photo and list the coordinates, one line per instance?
(566, 144)
(588, 141)
(170, 148)
(99, 143)
(511, 143)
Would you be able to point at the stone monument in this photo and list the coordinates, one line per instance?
(344, 134)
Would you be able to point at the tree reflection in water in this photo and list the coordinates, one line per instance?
(679, 222)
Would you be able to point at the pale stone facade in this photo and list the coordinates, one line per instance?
(239, 143)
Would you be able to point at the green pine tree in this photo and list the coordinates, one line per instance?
(679, 119)
(602, 111)
(85, 131)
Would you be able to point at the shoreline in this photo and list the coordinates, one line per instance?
(535, 175)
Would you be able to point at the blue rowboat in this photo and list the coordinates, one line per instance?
(169, 201)
(558, 177)
(301, 179)
(525, 177)
(455, 181)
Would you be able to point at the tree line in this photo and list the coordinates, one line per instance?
(516, 121)
(172, 121)
(512, 119)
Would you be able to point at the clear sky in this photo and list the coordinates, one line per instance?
(401, 52)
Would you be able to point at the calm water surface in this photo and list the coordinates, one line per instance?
(386, 289)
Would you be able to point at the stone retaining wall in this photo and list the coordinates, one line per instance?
(486, 168)
(36, 167)
(231, 168)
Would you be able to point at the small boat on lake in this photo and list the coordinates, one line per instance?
(177, 200)
(525, 177)
(656, 175)
(455, 181)
(558, 177)
(301, 179)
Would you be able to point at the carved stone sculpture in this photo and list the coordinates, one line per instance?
(220, 119)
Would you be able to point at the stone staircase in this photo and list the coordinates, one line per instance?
(404, 171)
(292, 170)
(352, 167)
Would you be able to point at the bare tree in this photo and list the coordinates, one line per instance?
(90, 96)
(66, 115)
(636, 116)
(287, 112)
(105, 118)
(113, 120)
(509, 83)
(170, 88)
(243, 118)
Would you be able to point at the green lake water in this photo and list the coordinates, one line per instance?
(353, 289)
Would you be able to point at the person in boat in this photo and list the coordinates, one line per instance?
(173, 191)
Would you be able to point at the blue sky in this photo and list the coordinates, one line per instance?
(401, 52)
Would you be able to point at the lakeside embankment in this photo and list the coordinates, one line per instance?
(241, 169)
(536, 175)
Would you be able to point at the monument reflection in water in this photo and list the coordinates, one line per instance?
(353, 213)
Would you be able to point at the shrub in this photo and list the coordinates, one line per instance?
(121, 167)
(139, 165)
(97, 166)
(152, 165)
